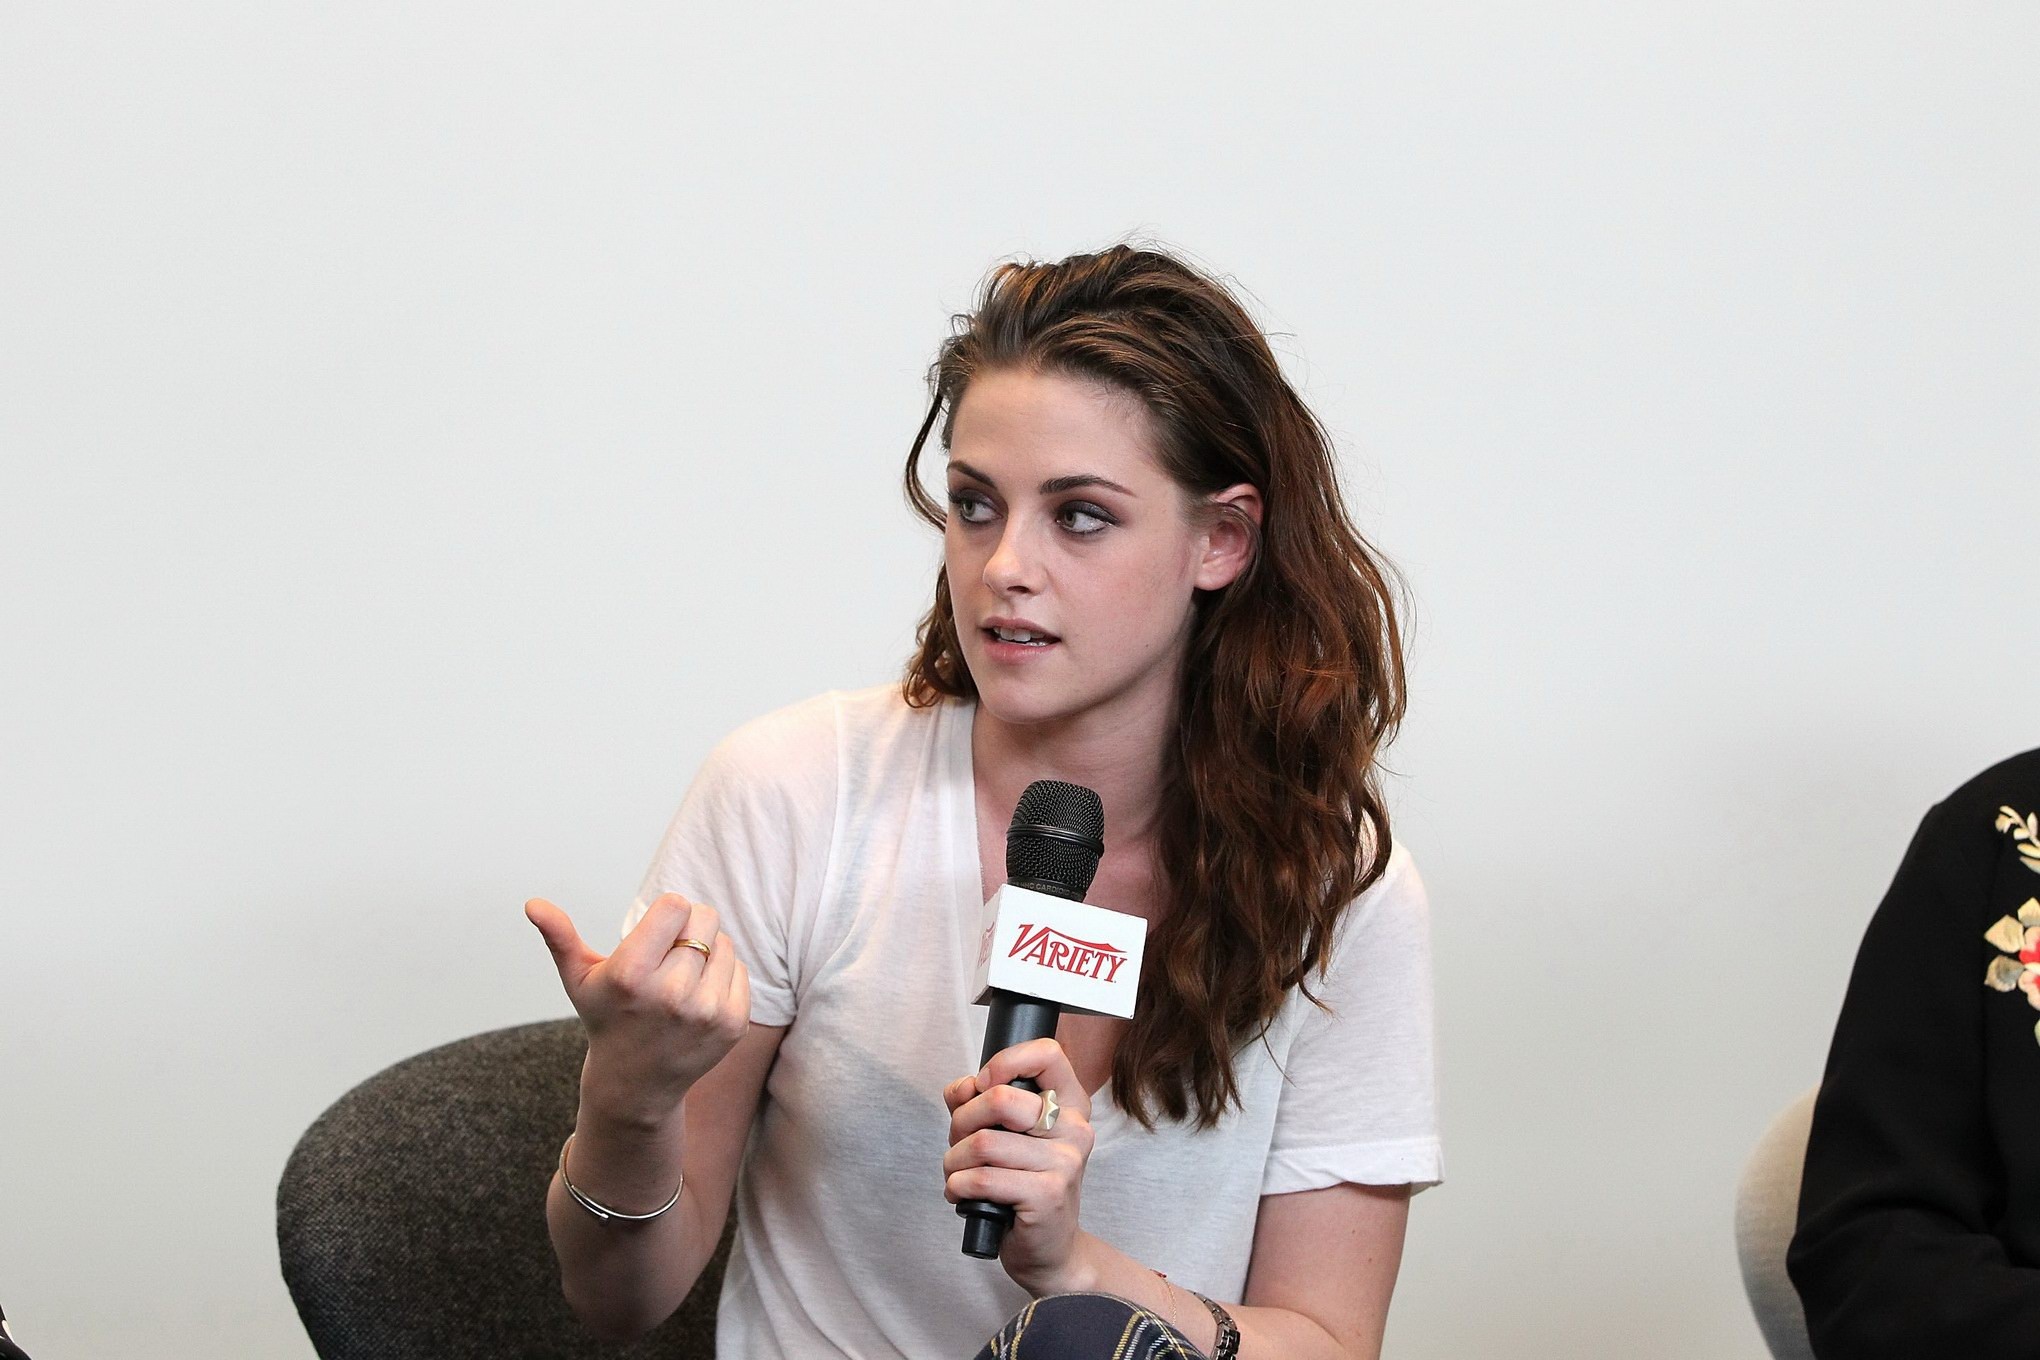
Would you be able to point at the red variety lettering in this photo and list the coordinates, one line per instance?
(1052, 949)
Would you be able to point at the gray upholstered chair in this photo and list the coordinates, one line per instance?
(1766, 1207)
(411, 1221)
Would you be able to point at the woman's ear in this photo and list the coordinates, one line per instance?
(1232, 539)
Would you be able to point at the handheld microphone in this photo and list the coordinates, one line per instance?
(1045, 951)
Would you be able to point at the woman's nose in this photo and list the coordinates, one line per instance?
(1011, 568)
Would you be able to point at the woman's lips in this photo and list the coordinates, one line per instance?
(1000, 650)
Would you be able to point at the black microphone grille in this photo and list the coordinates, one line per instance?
(1057, 836)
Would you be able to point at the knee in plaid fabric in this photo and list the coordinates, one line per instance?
(1087, 1327)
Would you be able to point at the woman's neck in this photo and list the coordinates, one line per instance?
(1120, 760)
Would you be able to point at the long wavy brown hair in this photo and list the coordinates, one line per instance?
(1272, 819)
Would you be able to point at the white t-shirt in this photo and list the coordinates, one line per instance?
(838, 840)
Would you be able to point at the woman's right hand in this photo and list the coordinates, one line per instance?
(658, 1015)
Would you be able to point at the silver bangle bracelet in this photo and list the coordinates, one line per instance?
(603, 1211)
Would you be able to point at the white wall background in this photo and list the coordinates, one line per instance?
(426, 429)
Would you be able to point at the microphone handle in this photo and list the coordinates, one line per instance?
(1014, 1019)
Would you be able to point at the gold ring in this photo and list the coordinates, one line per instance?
(1050, 1108)
(702, 945)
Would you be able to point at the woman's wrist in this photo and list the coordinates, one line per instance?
(622, 1105)
(1080, 1274)
(609, 1213)
(630, 1162)
(1095, 1267)
(1186, 1312)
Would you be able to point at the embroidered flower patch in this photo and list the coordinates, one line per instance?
(2026, 831)
(2019, 967)
(2019, 936)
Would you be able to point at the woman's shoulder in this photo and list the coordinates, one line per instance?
(1392, 913)
(1377, 973)
(808, 740)
(783, 742)
(1399, 887)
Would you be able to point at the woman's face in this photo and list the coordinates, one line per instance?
(1072, 557)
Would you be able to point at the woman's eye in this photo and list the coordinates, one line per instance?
(970, 507)
(1083, 519)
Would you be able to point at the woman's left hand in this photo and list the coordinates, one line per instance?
(991, 1157)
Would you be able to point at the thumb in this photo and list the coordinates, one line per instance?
(571, 954)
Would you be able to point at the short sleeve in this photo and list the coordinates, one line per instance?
(1359, 1094)
(752, 839)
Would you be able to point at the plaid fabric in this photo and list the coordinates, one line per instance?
(1087, 1327)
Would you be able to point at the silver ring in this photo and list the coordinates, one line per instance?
(1045, 1121)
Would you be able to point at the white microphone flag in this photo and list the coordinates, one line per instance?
(1085, 958)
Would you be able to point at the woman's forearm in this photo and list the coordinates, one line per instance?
(621, 1278)
(1265, 1333)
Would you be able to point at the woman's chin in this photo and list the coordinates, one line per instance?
(1019, 702)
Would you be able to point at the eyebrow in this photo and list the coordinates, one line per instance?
(1052, 486)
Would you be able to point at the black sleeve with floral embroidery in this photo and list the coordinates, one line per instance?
(1919, 1215)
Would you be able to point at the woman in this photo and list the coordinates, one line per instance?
(1919, 1212)
(1149, 587)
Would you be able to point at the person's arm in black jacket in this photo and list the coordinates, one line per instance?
(1894, 1254)
(8, 1350)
